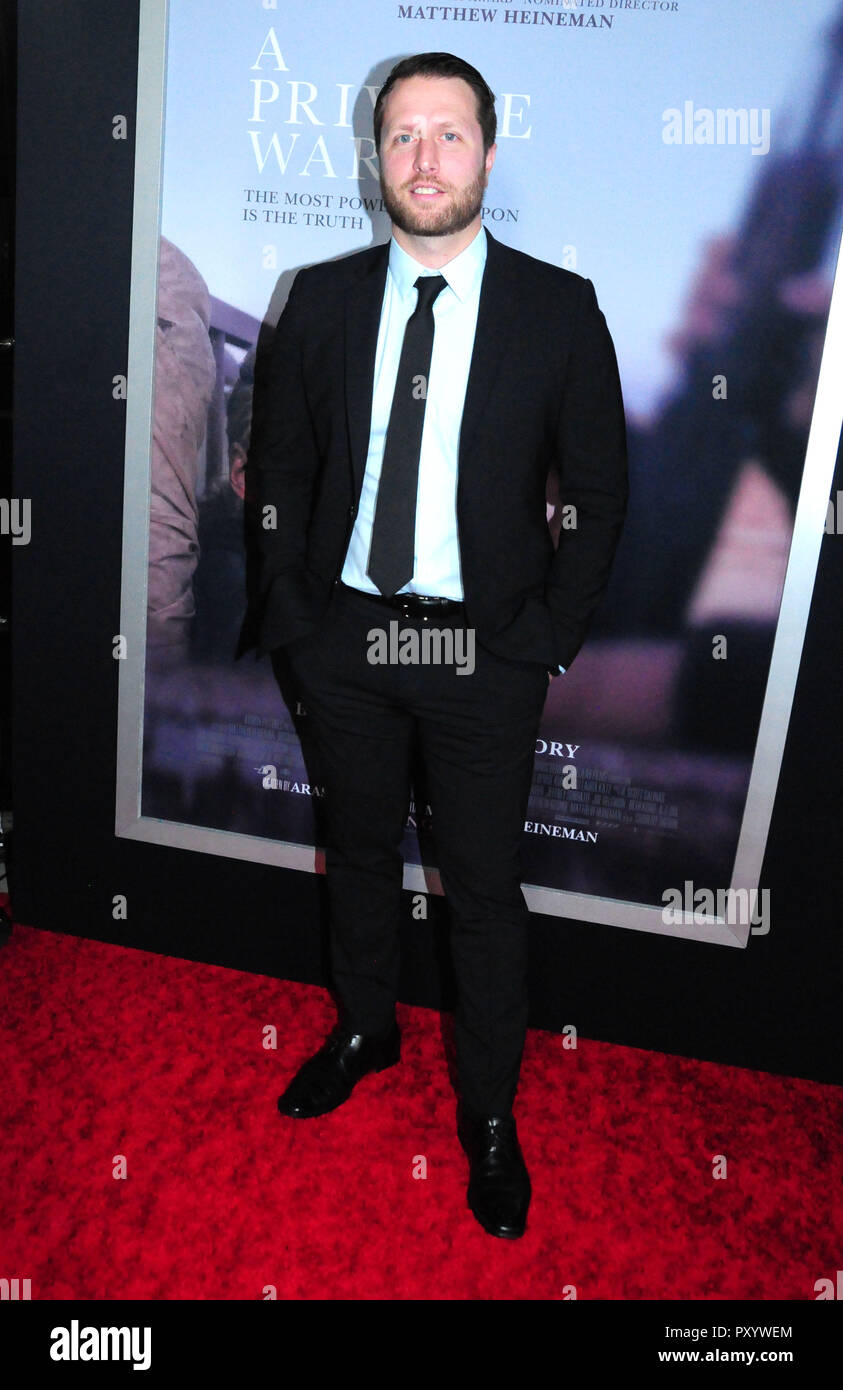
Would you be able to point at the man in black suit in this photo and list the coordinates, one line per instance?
(417, 396)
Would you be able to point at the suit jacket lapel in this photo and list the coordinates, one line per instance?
(498, 297)
(363, 303)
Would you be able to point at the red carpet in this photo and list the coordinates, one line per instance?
(109, 1051)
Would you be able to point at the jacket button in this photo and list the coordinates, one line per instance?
(352, 511)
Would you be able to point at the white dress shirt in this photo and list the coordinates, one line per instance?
(437, 555)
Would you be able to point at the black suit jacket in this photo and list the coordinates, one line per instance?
(543, 392)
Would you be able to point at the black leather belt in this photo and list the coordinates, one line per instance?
(422, 606)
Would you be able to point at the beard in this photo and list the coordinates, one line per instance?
(451, 215)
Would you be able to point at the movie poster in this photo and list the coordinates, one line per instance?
(687, 161)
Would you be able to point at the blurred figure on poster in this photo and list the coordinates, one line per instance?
(185, 373)
(716, 472)
(220, 588)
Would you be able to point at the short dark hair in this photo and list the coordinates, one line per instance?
(442, 65)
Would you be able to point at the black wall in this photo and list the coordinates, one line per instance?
(774, 1006)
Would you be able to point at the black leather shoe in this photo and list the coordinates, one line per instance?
(499, 1185)
(328, 1078)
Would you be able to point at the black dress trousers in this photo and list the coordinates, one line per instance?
(477, 735)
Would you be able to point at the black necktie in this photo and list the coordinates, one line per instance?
(392, 550)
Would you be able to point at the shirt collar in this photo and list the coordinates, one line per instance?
(462, 273)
